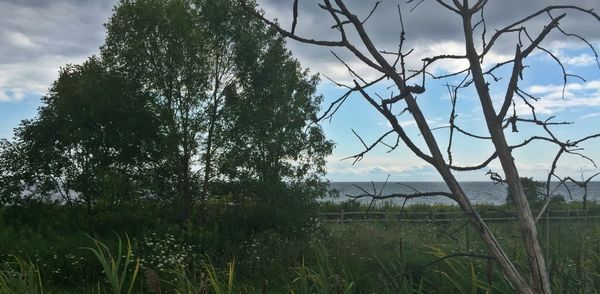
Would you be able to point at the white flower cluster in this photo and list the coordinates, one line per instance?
(163, 252)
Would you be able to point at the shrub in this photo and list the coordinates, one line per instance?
(532, 191)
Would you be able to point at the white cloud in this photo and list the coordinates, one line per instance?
(38, 37)
(378, 167)
(553, 99)
(563, 50)
(580, 60)
(18, 40)
(589, 115)
(338, 72)
(31, 77)
(569, 88)
(403, 123)
(11, 95)
(408, 123)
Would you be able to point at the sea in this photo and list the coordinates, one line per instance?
(478, 192)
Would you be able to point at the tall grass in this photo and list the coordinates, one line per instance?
(385, 257)
(20, 277)
(185, 280)
(116, 267)
(327, 277)
(218, 283)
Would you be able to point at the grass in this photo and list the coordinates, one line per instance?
(386, 206)
(20, 277)
(402, 250)
(116, 267)
(354, 257)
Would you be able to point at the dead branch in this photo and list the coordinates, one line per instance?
(474, 76)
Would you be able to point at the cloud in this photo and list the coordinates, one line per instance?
(589, 115)
(430, 30)
(555, 98)
(37, 37)
(18, 40)
(11, 95)
(580, 60)
(34, 77)
(375, 167)
(36, 31)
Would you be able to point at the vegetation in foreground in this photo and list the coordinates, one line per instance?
(194, 165)
(355, 257)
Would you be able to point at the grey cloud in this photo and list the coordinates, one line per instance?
(428, 21)
(38, 37)
(37, 29)
(428, 24)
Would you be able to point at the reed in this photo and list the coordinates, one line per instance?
(116, 267)
(20, 277)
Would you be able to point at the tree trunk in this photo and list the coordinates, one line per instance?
(585, 199)
(540, 280)
(507, 266)
(211, 129)
(509, 269)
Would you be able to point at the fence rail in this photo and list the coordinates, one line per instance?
(361, 216)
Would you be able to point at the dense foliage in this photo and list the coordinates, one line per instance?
(359, 257)
(192, 133)
(191, 104)
(533, 191)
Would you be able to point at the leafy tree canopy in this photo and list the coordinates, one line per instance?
(189, 100)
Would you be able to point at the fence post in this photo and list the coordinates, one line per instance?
(342, 217)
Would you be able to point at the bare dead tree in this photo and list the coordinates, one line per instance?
(583, 184)
(353, 37)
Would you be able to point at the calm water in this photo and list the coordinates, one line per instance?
(478, 192)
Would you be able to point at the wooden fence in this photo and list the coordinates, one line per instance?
(492, 215)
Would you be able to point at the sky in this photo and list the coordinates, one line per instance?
(37, 37)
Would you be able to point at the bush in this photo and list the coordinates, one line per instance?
(532, 192)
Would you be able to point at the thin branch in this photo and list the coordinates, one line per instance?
(288, 34)
(359, 156)
(371, 13)
(352, 72)
(394, 122)
(295, 16)
(336, 104)
(441, 2)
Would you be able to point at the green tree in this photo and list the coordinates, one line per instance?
(269, 114)
(190, 99)
(233, 102)
(273, 149)
(94, 139)
(159, 44)
(14, 175)
(532, 190)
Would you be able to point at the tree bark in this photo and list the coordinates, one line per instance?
(509, 269)
(211, 128)
(540, 279)
(507, 266)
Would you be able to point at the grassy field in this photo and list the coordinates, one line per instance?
(354, 257)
